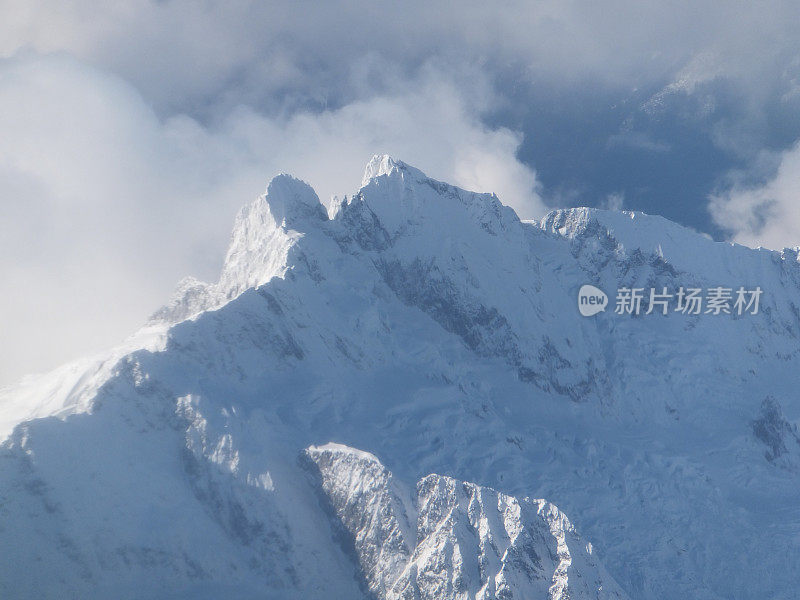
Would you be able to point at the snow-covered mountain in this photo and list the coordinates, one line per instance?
(231, 448)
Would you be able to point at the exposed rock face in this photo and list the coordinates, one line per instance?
(454, 539)
(778, 435)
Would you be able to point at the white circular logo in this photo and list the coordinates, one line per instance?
(591, 300)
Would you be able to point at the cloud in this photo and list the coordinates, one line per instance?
(133, 130)
(615, 201)
(637, 141)
(104, 205)
(183, 54)
(766, 214)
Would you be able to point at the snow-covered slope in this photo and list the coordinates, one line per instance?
(430, 327)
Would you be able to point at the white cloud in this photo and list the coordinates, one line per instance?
(767, 215)
(104, 205)
(615, 201)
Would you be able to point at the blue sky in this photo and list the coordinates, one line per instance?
(132, 131)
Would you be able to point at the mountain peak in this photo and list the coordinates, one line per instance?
(291, 200)
(633, 231)
(380, 164)
(383, 164)
(264, 231)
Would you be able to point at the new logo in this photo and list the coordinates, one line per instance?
(591, 300)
